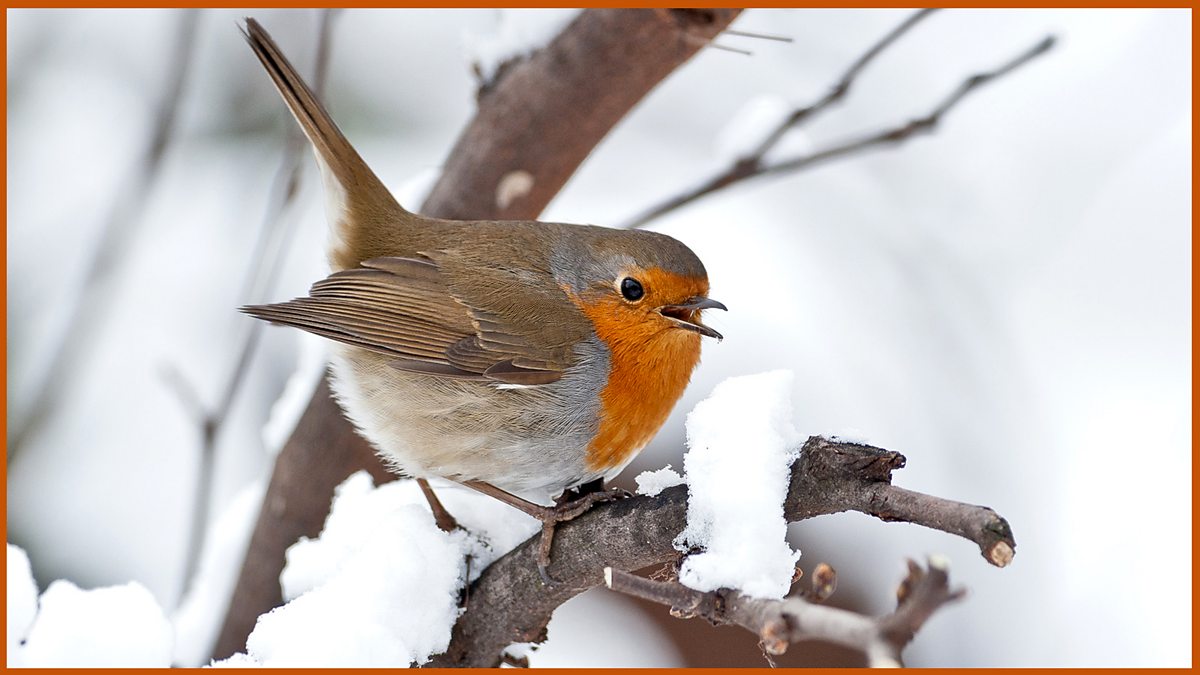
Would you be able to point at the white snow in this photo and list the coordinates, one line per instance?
(111, 627)
(287, 409)
(199, 615)
(22, 602)
(741, 445)
(651, 483)
(518, 33)
(379, 587)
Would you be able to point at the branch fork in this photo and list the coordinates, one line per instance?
(778, 624)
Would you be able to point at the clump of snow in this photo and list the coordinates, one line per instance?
(741, 445)
(199, 615)
(287, 409)
(22, 602)
(753, 123)
(518, 33)
(112, 627)
(379, 587)
(519, 651)
(651, 483)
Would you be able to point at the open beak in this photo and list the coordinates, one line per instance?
(687, 315)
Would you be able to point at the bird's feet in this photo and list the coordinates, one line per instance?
(568, 506)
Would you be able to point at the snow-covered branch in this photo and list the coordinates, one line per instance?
(509, 603)
(780, 623)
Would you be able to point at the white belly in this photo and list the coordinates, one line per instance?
(521, 439)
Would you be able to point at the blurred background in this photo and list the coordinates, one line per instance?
(1006, 301)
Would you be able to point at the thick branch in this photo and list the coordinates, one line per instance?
(548, 112)
(542, 116)
(780, 623)
(754, 165)
(509, 603)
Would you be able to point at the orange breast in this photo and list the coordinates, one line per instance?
(650, 365)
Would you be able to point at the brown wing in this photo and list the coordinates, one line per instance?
(402, 307)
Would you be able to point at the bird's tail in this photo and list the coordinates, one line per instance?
(357, 201)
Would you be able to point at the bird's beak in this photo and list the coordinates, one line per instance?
(686, 315)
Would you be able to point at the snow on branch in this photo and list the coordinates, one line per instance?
(509, 603)
(781, 623)
(754, 164)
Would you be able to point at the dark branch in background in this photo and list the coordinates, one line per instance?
(266, 262)
(601, 65)
(754, 165)
(509, 602)
(780, 623)
(95, 294)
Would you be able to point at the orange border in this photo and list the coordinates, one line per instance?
(308, 4)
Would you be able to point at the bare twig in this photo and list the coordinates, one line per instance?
(94, 296)
(266, 262)
(780, 623)
(509, 602)
(754, 165)
(839, 90)
(919, 125)
(757, 36)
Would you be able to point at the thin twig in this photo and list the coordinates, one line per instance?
(836, 93)
(780, 623)
(266, 262)
(757, 36)
(919, 125)
(93, 299)
(754, 166)
(839, 90)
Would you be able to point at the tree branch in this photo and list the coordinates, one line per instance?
(509, 603)
(542, 115)
(781, 623)
(754, 165)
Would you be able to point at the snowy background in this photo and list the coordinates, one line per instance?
(1007, 301)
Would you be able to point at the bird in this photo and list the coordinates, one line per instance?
(522, 359)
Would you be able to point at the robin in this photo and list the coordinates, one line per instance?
(508, 356)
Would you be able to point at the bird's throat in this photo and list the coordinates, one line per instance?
(649, 368)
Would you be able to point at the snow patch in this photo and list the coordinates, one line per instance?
(112, 627)
(22, 602)
(651, 483)
(379, 587)
(741, 445)
(518, 33)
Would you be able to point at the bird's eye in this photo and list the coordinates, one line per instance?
(631, 289)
